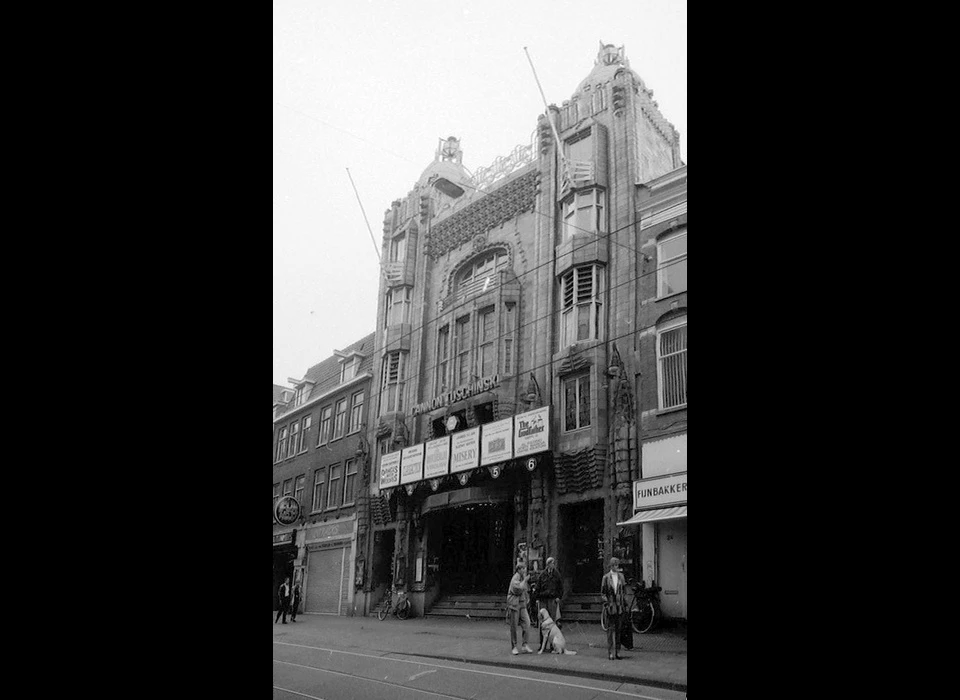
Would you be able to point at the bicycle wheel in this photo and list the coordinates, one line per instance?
(382, 612)
(403, 610)
(604, 621)
(641, 616)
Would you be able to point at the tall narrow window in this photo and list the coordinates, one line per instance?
(581, 304)
(398, 306)
(487, 330)
(583, 212)
(276, 496)
(325, 424)
(392, 382)
(356, 412)
(398, 248)
(672, 264)
(580, 147)
(333, 491)
(443, 354)
(340, 419)
(282, 444)
(300, 396)
(509, 328)
(576, 403)
(319, 484)
(672, 363)
(305, 433)
(462, 340)
(294, 437)
(350, 482)
(288, 487)
(298, 489)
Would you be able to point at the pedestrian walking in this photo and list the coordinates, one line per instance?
(614, 602)
(283, 595)
(296, 602)
(518, 598)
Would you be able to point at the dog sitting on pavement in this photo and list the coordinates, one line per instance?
(552, 636)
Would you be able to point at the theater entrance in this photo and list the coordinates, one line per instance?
(474, 545)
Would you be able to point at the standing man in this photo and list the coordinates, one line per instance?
(550, 590)
(296, 602)
(284, 599)
(614, 602)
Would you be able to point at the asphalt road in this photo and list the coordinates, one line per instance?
(330, 671)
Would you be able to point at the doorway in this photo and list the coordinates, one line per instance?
(672, 567)
(282, 569)
(582, 533)
(474, 544)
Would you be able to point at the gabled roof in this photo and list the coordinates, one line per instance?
(325, 375)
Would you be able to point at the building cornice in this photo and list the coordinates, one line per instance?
(324, 396)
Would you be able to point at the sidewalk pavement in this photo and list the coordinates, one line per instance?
(658, 658)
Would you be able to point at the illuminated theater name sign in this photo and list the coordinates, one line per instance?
(458, 394)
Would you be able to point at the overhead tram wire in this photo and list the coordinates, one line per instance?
(532, 269)
(548, 315)
(597, 235)
(465, 184)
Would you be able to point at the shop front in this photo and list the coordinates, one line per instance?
(660, 510)
(328, 574)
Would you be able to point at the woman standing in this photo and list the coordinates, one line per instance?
(518, 598)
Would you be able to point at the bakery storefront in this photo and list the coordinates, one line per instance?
(660, 510)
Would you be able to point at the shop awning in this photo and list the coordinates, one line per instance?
(650, 516)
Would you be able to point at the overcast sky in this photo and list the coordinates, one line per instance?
(371, 85)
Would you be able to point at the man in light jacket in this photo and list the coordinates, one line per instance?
(518, 598)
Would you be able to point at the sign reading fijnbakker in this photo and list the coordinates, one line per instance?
(436, 463)
(497, 440)
(287, 510)
(390, 470)
(458, 394)
(465, 450)
(660, 491)
(531, 432)
(411, 464)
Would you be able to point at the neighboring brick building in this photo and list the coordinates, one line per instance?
(511, 337)
(319, 455)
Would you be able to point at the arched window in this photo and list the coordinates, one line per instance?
(481, 273)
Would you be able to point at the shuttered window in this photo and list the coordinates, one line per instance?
(392, 382)
(581, 304)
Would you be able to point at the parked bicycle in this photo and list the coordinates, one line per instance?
(644, 607)
(401, 609)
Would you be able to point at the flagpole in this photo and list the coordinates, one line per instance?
(372, 239)
(546, 108)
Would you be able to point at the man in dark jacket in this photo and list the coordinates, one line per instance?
(283, 597)
(550, 590)
(296, 602)
(612, 587)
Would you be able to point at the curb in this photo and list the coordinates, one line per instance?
(592, 675)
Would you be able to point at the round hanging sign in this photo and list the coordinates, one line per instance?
(287, 511)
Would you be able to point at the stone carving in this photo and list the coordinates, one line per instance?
(490, 211)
